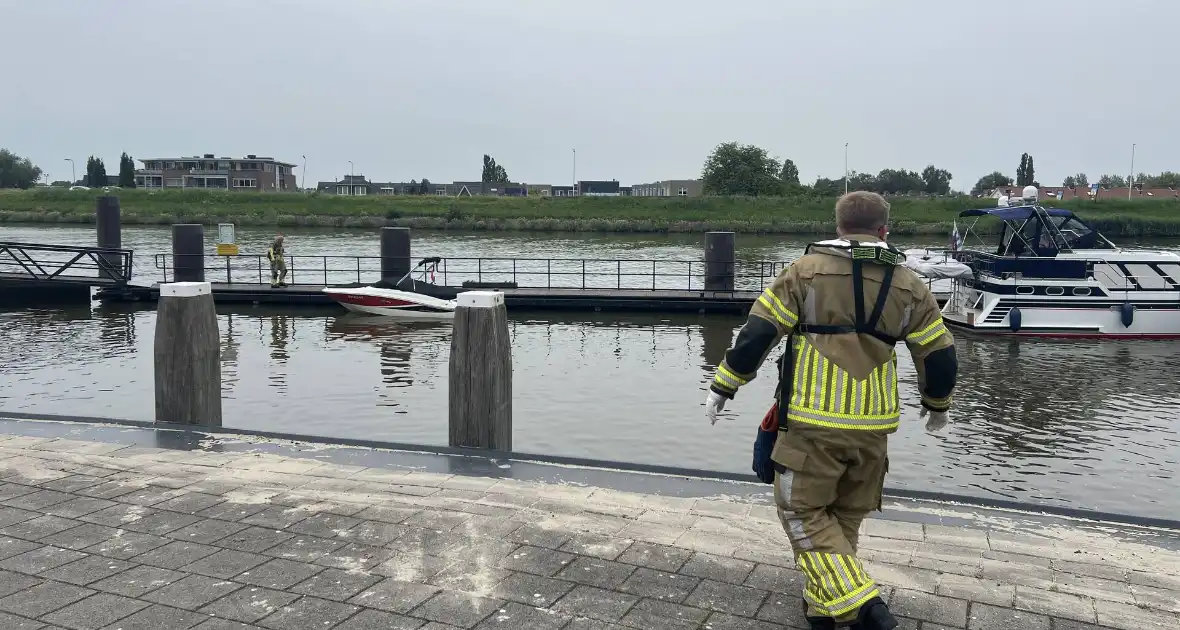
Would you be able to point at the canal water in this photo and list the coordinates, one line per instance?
(1091, 425)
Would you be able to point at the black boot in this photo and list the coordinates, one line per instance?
(819, 623)
(875, 615)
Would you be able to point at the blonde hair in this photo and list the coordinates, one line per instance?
(861, 211)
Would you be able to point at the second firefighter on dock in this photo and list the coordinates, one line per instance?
(842, 307)
(278, 263)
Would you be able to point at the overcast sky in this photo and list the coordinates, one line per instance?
(642, 89)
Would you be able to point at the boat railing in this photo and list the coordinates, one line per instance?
(1005, 267)
(535, 273)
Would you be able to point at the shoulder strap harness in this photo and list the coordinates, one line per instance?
(882, 255)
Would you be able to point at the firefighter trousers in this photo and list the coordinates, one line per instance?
(278, 270)
(828, 481)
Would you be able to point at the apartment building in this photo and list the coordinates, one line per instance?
(669, 188)
(253, 172)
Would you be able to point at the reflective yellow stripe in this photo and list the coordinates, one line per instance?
(839, 577)
(927, 334)
(723, 382)
(796, 391)
(816, 600)
(819, 579)
(853, 600)
(840, 392)
(819, 382)
(836, 583)
(809, 390)
(937, 403)
(853, 568)
(843, 421)
(776, 308)
(730, 376)
(824, 394)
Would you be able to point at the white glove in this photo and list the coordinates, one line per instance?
(936, 421)
(714, 404)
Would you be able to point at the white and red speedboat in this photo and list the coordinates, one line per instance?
(412, 300)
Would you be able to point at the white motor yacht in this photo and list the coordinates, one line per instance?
(1053, 275)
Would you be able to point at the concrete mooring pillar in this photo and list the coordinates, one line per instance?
(187, 356)
(109, 224)
(395, 252)
(188, 252)
(720, 261)
(479, 389)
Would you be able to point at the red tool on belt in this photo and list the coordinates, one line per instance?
(770, 420)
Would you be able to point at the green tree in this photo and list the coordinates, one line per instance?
(492, 172)
(1025, 173)
(936, 181)
(825, 187)
(990, 182)
(733, 169)
(17, 172)
(126, 171)
(424, 187)
(1073, 181)
(863, 181)
(789, 174)
(894, 181)
(1112, 181)
(96, 172)
(1166, 179)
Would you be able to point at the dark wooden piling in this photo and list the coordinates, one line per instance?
(395, 252)
(720, 261)
(109, 228)
(188, 252)
(187, 356)
(480, 386)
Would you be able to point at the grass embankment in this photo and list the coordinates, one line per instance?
(798, 215)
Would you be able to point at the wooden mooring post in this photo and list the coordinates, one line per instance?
(480, 386)
(395, 253)
(188, 252)
(187, 356)
(720, 261)
(109, 227)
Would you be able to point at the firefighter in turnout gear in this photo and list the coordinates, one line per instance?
(842, 308)
(278, 263)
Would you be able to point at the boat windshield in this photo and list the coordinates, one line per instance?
(1031, 237)
(1078, 235)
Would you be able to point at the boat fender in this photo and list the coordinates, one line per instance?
(1014, 319)
(1127, 312)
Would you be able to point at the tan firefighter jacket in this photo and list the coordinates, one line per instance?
(840, 369)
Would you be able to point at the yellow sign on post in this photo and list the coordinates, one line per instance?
(226, 241)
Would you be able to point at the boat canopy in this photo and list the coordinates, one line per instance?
(1019, 213)
(1033, 230)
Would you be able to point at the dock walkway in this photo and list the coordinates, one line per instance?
(115, 535)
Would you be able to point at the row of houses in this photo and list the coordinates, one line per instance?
(262, 173)
(252, 172)
(359, 185)
(1087, 192)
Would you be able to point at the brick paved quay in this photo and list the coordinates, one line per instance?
(104, 535)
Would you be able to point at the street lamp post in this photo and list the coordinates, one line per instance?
(574, 183)
(351, 178)
(304, 184)
(73, 175)
(845, 168)
(1131, 177)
